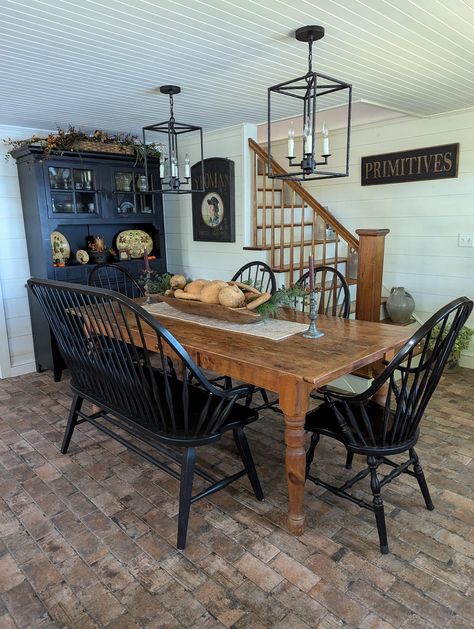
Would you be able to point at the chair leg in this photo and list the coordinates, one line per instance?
(249, 397)
(420, 477)
(247, 459)
(264, 395)
(310, 454)
(378, 505)
(71, 422)
(349, 457)
(185, 490)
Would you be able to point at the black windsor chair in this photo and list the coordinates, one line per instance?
(259, 275)
(334, 300)
(115, 277)
(100, 334)
(334, 295)
(377, 432)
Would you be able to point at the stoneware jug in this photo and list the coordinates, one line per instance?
(400, 305)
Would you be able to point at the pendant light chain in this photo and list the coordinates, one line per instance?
(310, 56)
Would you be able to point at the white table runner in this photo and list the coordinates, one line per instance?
(274, 329)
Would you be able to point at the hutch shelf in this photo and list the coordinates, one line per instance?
(82, 195)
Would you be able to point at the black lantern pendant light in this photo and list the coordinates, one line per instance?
(310, 89)
(175, 176)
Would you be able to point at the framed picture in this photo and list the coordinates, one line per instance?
(214, 209)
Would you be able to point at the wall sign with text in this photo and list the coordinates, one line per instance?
(214, 209)
(435, 162)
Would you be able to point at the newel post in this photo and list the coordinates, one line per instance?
(370, 270)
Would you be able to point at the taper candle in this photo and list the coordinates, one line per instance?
(147, 262)
(311, 273)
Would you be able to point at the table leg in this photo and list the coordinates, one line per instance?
(294, 401)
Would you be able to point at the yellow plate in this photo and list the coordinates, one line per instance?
(82, 256)
(136, 241)
(60, 247)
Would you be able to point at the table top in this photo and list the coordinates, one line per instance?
(346, 345)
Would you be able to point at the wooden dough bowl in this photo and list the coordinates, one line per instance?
(233, 315)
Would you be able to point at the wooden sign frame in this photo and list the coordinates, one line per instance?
(434, 162)
(214, 209)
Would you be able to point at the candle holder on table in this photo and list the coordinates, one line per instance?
(312, 332)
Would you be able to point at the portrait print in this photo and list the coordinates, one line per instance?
(212, 209)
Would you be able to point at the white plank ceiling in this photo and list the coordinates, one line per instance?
(97, 63)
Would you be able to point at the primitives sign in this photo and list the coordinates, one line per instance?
(214, 209)
(435, 162)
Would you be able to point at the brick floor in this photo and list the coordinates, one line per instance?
(87, 539)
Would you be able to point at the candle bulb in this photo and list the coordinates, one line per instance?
(311, 273)
(325, 139)
(187, 167)
(291, 141)
(147, 262)
(308, 139)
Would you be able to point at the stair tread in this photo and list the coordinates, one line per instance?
(307, 243)
(269, 190)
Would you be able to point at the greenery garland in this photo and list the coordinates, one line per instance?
(69, 140)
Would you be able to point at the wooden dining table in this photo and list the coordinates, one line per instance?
(292, 368)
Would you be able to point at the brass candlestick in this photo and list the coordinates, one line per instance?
(312, 332)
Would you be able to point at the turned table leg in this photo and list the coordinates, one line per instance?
(294, 404)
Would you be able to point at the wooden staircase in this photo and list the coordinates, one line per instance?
(289, 224)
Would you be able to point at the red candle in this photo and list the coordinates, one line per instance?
(311, 273)
(147, 263)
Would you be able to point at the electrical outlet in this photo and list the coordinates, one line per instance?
(466, 240)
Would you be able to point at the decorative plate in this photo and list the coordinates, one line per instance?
(82, 256)
(135, 241)
(60, 247)
(126, 207)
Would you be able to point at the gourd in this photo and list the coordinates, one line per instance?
(232, 297)
(210, 293)
(177, 281)
(196, 286)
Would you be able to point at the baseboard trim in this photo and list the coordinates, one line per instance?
(21, 370)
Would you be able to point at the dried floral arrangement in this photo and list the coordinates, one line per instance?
(70, 139)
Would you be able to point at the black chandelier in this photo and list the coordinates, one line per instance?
(175, 177)
(310, 89)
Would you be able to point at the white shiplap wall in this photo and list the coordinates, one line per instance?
(424, 217)
(207, 259)
(16, 345)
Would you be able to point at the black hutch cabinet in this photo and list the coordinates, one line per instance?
(81, 195)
